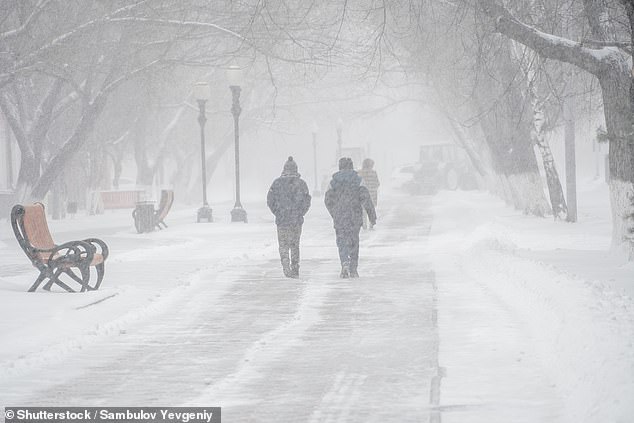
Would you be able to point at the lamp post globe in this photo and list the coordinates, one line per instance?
(202, 94)
(234, 78)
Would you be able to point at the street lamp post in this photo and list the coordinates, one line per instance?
(339, 141)
(234, 76)
(315, 129)
(201, 92)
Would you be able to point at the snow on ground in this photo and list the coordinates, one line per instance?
(43, 326)
(501, 274)
(529, 319)
(228, 330)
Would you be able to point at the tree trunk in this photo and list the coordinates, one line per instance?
(474, 151)
(618, 118)
(555, 190)
(70, 148)
(117, 163)
(27, 176)
(9, 154)
(528, 61)
(514, 159)
(507, 132)
(58, 199)
(145, 172)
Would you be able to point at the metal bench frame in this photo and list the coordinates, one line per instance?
(165, 204)
(167, 199)
(74, 258)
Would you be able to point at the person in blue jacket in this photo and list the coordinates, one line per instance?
(345, 199)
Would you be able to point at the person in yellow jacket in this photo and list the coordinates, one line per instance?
(371, 182)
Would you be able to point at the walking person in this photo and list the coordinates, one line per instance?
(346, 199)
(289, 200)
(371, 182)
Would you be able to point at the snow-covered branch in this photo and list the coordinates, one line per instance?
(179, 24)
(97, 22)
(39, 8)
(110, 86)
(623, 45)
(547, 45)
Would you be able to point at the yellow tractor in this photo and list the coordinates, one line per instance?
(442, 166)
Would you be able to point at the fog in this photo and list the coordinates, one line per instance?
(483, 274)
(113, 87)
(391, 138)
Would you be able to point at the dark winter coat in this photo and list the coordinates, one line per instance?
(288, 199)
(346, 198)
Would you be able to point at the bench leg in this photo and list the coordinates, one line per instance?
(37, 282)
(51, 280)
(83, 280)
(63, 285)
(85, 276)
(54, 279)
(137, 222)
(101, 270)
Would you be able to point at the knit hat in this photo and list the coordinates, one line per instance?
(368, 164)
(345, 163)
(290, 167)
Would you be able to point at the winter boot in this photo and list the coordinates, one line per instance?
(345, 270)
(286, 268)
(294, 272)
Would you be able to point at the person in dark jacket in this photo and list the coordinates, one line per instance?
(289, 200)
(345, 199)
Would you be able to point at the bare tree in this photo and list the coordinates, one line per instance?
(609, 64)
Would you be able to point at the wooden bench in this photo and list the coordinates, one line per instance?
(167, 199)
(71, 261)
(146, 221)
(120, 199)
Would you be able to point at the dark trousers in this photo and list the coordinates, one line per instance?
(348, 245)
(288, 240)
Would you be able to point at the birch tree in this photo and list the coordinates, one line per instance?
(609, 63)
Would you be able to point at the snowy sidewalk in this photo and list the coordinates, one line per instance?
(460, 315)
(232, 332)
(530, 300)
(144, 273)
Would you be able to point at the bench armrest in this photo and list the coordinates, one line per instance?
(71, 247)
(102, 246)
(72, 252)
